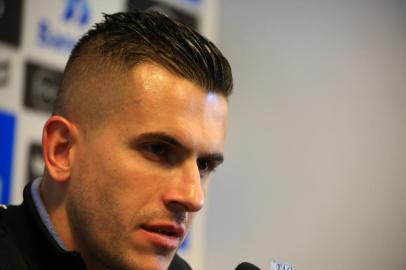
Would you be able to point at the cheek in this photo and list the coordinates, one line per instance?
(95, 175)
(126, 181)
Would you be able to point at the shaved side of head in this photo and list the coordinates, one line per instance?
(89, 92)
(94, 82)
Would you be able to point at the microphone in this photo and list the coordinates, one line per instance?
(246, 266)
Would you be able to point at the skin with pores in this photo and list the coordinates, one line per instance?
(117, 188)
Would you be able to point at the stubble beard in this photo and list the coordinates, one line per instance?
(99, 246)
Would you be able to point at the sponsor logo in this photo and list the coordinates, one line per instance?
(4, 72)
(35, 162)
(48, 36)
(10, 21)
(41, 86)
(7, 124)
(76, 12)
(166, 9)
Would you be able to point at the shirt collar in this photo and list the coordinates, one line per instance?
(39, 205)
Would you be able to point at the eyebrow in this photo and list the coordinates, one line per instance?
(164, 137)
(217, 157)
(161, 136)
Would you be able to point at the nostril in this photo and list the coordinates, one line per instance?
(178, 207)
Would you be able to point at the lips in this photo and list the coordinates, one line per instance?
(171, 230)
(164, 235)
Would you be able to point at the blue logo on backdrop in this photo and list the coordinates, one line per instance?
(75, 11)
(47, 36)
(185, 244)
(7, 130)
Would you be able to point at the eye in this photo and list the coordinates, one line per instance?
(155, 151)
(205, 166)
(161, 152)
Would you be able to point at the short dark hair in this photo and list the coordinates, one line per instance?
(124, 40)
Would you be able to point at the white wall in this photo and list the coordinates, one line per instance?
(315, 170)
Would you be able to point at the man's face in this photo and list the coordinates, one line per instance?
(137, 182)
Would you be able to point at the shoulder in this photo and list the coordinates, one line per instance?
(10, 255)
(179, 264)
(5, 211)
(9, 214)
(3, 208)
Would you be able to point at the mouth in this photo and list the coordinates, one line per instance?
(165, 235)
(165, 232)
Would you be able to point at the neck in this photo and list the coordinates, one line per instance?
(53, 195)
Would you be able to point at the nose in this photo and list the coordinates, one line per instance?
(186, 193)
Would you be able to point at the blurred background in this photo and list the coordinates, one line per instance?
(315, 170)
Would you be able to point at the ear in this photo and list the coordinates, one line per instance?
(58, 138)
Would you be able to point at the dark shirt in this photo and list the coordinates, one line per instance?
(26, 244)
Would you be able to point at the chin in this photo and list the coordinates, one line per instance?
(158, 261)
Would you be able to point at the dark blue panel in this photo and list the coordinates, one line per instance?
(7, 130)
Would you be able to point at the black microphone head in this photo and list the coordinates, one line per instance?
(246, 266)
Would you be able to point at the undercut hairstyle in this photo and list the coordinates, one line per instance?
(98, 63)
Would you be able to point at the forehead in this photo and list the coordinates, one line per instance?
(154, 85)
(161, 101)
